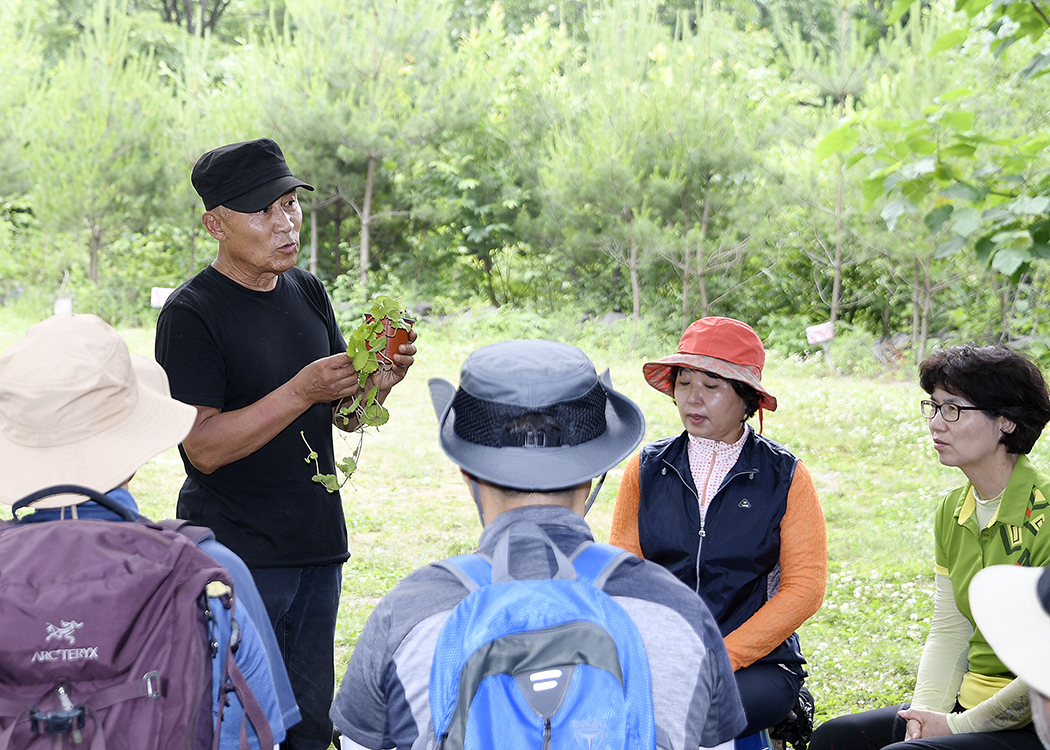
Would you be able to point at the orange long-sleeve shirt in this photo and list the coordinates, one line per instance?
(803, 564)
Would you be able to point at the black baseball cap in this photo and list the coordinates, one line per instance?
(245, 177)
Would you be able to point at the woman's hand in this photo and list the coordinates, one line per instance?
(923, 724)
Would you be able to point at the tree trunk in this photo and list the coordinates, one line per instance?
(1004, 311)
(338, 242)
(701, 265)
(685, 287)
(836, 285)
(366, 226)
(927, 307)
(486, 262)
(916, 304)
(313, 240)
(636, 289)
(93, 247)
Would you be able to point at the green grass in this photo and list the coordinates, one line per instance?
(863, 440)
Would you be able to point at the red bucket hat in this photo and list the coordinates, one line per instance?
(723, 346)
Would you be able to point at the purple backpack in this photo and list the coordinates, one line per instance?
(105, 635)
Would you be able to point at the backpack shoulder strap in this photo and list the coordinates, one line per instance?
(528, 533)
(196, 533)
(473, 571)
(595, 562)
(234, 681)
(73, 489)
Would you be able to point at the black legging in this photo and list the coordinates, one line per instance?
(883, 729)
(768, 692)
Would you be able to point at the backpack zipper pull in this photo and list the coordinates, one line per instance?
(67, 705)
(546, 734)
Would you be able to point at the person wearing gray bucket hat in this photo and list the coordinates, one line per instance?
(733, 515)
(77, 408)
(580, 427)
(253, 343)
(530, 425)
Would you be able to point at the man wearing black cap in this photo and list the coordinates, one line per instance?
(252, 342)
(531, 425)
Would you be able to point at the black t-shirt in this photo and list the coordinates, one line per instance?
(226, 346)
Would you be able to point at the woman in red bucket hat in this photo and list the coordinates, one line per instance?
(732, 514)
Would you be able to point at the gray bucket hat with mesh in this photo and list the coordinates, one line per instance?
(585, 427)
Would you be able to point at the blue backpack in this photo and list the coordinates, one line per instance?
(551, 664)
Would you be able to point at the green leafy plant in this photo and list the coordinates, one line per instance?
(366, 346)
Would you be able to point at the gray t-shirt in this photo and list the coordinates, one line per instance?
(384, 702)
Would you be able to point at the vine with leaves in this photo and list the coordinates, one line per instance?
(366, 346)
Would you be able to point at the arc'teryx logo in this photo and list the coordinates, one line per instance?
(65, 631)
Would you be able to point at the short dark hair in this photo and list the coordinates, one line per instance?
(531, 428)
(751, 397)
(999, 381)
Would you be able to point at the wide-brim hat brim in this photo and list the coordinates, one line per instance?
(107, 458)
(658, 374)
(1005, 603)
(264, 195)
(546, 469)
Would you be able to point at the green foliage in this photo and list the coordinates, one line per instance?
(976, 182)
(21, 61)
(366, 84)
(16, 225)
(517, 16)
(474, 190)
(996, 204)
(1003, 23)
(564, 161)
(94, 155)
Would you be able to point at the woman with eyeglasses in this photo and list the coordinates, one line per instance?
(986, 409)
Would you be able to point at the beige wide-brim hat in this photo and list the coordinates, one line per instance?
(1010, 606)
(77, 408)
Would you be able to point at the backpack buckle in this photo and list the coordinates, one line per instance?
(153, 686)
(54, 722)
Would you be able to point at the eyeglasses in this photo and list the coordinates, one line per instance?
(949, 412)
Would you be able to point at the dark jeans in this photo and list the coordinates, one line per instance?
(768, 692)
(303, 604)
(882, 728)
